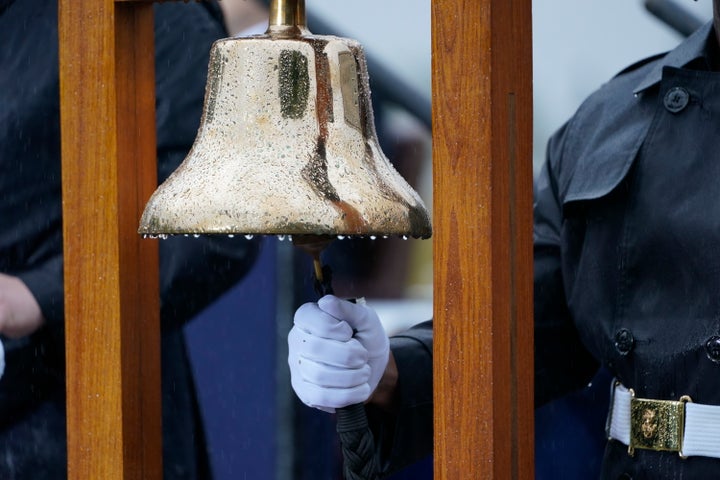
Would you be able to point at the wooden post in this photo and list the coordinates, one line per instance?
(482, 179)
(107, 93)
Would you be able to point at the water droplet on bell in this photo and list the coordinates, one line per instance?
(404, 237)
(248, 237)
(373, 237)
(196, 235)
(341, 237)
(231, 235)
(281, 237)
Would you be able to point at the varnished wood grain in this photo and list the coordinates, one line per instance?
(111, 284)
(482, 169)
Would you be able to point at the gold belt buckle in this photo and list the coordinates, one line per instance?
(657, 424)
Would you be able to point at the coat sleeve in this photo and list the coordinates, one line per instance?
(562, 364)
(45, 281)
(407, 436)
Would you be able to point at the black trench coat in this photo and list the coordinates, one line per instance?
(627, 269)
(627, 234)
(193, 271)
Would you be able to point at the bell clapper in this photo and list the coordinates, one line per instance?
(314, 245)
(318, 267)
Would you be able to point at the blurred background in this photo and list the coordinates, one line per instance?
(256, 428)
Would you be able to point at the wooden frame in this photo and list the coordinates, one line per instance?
(482, 165)
(107, 93)
(482, 184)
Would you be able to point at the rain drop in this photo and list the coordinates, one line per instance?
(249, 237)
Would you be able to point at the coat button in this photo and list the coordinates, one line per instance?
(624, 341)
(712, 348)
(676, 99)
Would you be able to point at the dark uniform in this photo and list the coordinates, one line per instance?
(627, 270)
(193, 271)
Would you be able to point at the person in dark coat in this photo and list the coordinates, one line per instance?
(626, 274)
(193, 271)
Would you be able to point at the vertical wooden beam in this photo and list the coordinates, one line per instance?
(107, 93)
(482, 169)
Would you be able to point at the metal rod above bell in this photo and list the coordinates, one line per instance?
(287, 16)
(286, 145)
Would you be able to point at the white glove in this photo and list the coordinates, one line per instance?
(338, 352)
(2, 359)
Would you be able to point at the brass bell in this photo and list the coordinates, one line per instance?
(286, 145)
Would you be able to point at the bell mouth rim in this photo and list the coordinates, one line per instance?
(335, 234)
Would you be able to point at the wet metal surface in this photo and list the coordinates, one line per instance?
(287, 145)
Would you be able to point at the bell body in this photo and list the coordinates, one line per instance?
(286, 145)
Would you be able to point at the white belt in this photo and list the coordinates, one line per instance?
(691, 429)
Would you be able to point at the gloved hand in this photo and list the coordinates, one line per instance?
(338, 352)
(2, 359)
